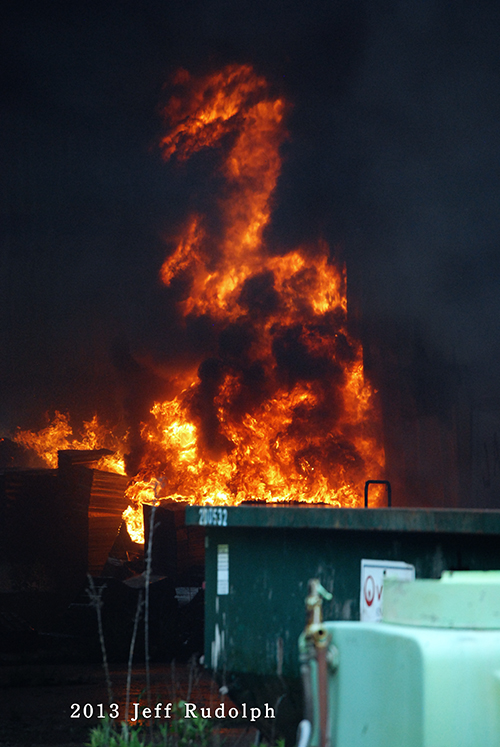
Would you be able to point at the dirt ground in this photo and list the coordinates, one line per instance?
(39, 702)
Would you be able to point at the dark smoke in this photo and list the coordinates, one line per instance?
(259, 295)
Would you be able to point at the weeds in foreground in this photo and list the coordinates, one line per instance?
(95, 597)
(107, 735)
(190, 732)
(179, 732)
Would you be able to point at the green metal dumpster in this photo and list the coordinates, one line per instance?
(259, 559)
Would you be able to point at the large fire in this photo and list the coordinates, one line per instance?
(58, 435)
(281, 411)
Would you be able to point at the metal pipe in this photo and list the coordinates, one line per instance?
(378, 482)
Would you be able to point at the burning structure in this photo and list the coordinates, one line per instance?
(280, 410)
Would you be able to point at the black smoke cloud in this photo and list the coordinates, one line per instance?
(392, 156)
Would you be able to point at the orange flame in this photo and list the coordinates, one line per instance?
(283, 411)
(57, 435)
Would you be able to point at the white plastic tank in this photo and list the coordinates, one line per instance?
(428, 675)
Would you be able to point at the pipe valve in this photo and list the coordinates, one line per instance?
(314, 602)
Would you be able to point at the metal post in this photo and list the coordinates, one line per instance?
(378, 482)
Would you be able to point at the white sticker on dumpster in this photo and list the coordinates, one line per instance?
(222, 569)
(373, 573)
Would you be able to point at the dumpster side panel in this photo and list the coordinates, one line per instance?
(254, 628)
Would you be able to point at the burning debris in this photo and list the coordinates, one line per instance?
(57, 436)
(281, 409)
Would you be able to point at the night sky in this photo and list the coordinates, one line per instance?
(393, 155)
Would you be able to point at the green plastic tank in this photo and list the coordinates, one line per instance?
(428, 675)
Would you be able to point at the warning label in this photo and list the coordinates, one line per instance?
(373, 573)
(222, 569)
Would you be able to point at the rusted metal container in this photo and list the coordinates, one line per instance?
(58, 524)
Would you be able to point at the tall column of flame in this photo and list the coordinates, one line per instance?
(282, 411)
